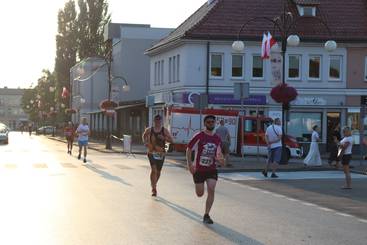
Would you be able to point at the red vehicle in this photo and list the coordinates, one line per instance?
(185, 122)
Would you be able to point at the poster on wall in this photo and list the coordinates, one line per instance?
(276, 67)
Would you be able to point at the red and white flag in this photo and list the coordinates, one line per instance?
(264, 53)
(65, 92)
(267, 43)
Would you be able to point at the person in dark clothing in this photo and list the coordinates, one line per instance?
(155, 139)
(334, 147)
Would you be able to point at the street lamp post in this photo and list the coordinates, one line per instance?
(110, 78)
(284, 25)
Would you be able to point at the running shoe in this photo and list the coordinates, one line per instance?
(79, 156)
(264, 173)
(274, 175)
(154, 192)
(85, 160)
(207, 219)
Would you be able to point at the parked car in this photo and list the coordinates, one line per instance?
(46, 130)
(4, 133)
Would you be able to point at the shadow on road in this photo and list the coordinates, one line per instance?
(107, 175)
(223, 231)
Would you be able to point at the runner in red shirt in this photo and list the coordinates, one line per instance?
(207, 149)
(69, 135)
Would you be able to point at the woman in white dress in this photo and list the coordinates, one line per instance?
(313, 157)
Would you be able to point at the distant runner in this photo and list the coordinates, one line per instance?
(83, 132)
(155, 139)
(207, 147)
(69, 135)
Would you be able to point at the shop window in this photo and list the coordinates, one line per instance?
(365, 68)
(314, 72)
(353, 122)
(257, 67)
(335, 67)
(237, 66)
(300, 124)
(216, 65)
(294, 66)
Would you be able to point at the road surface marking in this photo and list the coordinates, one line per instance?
(297, 175)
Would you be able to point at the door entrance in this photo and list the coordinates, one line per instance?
(333, 119)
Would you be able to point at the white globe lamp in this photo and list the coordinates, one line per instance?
(238, 46)
(293, 40)
(330, 46)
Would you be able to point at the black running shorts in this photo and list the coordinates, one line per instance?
(201, 177)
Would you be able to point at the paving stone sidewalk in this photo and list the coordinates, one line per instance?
(246, 164)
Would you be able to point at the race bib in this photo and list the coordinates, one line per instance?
(206, 161)
(158, 155)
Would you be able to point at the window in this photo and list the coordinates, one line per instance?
(216, 69)
(178, 68)
(174, 68)
(156, 73)
(300, 124)
(306, 10)
(353, 122)
(257, 67)
(335, 68)
(314, 68)
(365, 69)
(294, 67)
(162, 72)
(170, 70)
(237, 66)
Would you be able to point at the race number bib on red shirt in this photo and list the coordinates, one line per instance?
(206, 148)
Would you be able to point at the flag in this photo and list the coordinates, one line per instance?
(65, 92)
(264, 54)
(270, 43)
(267, 43)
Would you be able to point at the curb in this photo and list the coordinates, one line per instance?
(99, 150)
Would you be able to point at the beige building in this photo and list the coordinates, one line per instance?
(11, 112)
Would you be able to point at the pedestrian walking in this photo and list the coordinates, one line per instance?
(273, 138)
(207, 147)
(30, 128)
(155, 139)
(69, 135)
(83, 135)
(313, 157)
(334, 147)
(223, 133)
(345, 154)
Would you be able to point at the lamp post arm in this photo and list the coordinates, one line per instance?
(273, 21)
(294, 22)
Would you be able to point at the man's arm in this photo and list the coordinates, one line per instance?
(168, 136)
(145, 136)
(190, 165)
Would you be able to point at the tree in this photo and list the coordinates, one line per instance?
(92, 18)
(66, 50)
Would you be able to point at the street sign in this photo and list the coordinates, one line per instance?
(241, 90)
(201, 101)
(149, 101)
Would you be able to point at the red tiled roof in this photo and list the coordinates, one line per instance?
(223, 19)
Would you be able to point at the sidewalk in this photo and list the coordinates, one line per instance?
(247, 164)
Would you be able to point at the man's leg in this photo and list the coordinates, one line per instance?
(80, 150)
(153, 177)
(199, 189)
(85, 151)
(210, 183)
(348, 178)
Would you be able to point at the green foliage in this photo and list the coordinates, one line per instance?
(92, 18)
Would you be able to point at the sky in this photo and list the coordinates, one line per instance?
(28, 29)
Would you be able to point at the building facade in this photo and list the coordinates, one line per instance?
(198, 58)
(129, 68)
(11, 112)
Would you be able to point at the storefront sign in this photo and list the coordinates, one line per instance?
(217, 98)
(309, 101)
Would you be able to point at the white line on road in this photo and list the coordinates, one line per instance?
(362, 220)
(344, 215)
(325, 209)
(309, 204)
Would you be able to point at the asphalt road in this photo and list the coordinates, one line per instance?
(49, 197)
